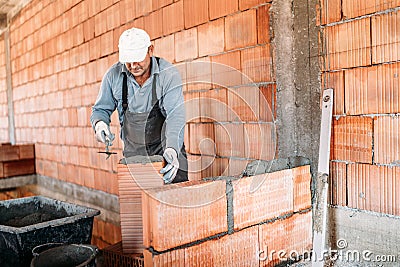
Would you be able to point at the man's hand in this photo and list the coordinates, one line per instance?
(103, 133)
(170, 170)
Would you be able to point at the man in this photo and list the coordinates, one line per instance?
(147, 93)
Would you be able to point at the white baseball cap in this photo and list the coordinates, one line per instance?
(133, 45)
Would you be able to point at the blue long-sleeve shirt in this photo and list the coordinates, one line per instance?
(169, 93)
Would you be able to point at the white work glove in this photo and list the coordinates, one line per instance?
(170, 170)
(103, 133)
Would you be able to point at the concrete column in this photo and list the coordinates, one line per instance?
(297, 75)
(10, 101)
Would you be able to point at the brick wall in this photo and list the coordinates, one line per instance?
(61, 49)
(360, 61)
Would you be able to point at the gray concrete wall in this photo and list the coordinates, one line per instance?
(373, 236)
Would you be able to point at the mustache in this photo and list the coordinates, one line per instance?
(136, 68)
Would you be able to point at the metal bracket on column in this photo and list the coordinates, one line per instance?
(321, 201)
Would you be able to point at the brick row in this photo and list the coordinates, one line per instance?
(253, 246)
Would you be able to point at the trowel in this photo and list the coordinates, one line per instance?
(108, 140)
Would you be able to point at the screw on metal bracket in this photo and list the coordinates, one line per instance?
(327, 98)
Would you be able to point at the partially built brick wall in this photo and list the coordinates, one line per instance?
(360, 57)
(259, 220)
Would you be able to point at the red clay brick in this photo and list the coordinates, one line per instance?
(226, 69)
(338, 184)
(349, 52)
(174, 258)
(127, 11)
(243, 104)
(106, 43)
(235, 167)
(165, 47)
(331, 11)
(272, 196)
(373, 188)
(259, 141)
(372, 90)
(161, 3)
(229, 139)
(153, 23)
(192, 106)
(381, 5)
(222, 8)
(194, 165)
(293, 234)
(246, 4)
(195, 12)
(385, 43)
(143, 7)
(257, 64)
(386, 139)
(139, 23)
(267, 100)
(211, 37)
(202, 138)
(213, 105)
(239, 29)
(263, 24)
(186, 45)
(357, 8)
(352, 139)
(9, 152)
(100, 25)
(133, 179)
(301, 188)
(173, 18)
(208, 166)
(335, 80)
(212, 167)
(198, 74)
(238, 249)
(186, 205)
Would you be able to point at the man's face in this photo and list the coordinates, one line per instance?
(140, 68)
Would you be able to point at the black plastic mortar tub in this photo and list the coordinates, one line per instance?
(64, 255)
(28, 222)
